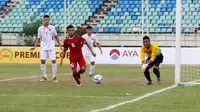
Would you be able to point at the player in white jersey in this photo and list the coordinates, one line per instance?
(92, 40)
(46, 35)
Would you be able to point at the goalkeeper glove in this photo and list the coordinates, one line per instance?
(144, 67)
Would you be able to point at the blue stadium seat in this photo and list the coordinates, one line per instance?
(37, 3)
(157, 2)
(41, 10)
(94, 2)
(89, 2)
(131, 2)
(134, 18)
(132, 6)
(153, 6)
(119, 21)
(36, 14)
(93, 10)
(115, 14)
(31, 3)
(95, 30)
(121, 13)
(110, 14)
(56, 10)
(28, 6)
(159, 14)
(111, 30)
(106, 30)
(170, 6)
(130, 10)
(117, 6)
(138, 6)
(132, 14)
(117, 30)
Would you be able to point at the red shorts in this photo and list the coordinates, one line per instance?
(80, 61)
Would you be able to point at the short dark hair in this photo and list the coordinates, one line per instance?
(89, 27)
(46, 16)
(70, 26)
(146, 37)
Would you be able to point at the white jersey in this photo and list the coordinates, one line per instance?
(92, 40)
(46, 36)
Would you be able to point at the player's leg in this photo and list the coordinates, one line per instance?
(73, 64)
(92, 65)
(78, 66)
(147, 73)
(43, 57)
(82, 65)
(156, 69)
(52, 56)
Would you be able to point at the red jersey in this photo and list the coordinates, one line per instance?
(74, 44)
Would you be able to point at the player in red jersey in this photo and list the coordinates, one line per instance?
(74, 43)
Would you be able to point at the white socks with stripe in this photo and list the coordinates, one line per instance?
(92, 67)
(54, 69)
(43, 69)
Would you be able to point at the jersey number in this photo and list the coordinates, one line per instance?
(72, 44)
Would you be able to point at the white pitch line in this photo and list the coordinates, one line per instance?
(17, 78)
(134, 100)
(108, 97)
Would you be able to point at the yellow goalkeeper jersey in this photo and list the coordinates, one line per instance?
(152, 51)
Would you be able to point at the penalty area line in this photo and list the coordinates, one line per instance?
(134, 100)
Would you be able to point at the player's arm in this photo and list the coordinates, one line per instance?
(37, 40)
(142, 58)
(63, 53)
(142, 55)
(98, 44)
(57, 39)
(88, 45)
(153, 53)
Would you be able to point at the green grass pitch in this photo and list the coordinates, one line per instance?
(30, 95)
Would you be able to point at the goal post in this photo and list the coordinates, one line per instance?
(178, 41)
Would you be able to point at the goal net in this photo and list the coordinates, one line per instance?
(189, 42)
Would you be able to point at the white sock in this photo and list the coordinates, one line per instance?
(92, 67)
(43, 69)
(78, 67)
(54, 69)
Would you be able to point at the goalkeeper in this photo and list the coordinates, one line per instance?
(155, 58)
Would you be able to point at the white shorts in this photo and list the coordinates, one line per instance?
(44, 54)
(90, 57)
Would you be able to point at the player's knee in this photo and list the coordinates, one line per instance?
(82, 70)
(53, 61)
(74, 71)
(43, 61)
(146, 71)
(155, 70)
(92, 63)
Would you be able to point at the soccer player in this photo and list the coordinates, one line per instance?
(74, 43)
(92, 40)
(155, 58)
(46, 35)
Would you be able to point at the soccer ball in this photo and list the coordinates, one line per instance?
(98, 79)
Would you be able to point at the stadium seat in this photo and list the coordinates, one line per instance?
(118, 19)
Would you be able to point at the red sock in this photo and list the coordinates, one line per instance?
(76, 78)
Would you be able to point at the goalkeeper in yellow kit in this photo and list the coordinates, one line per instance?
(155, 58)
